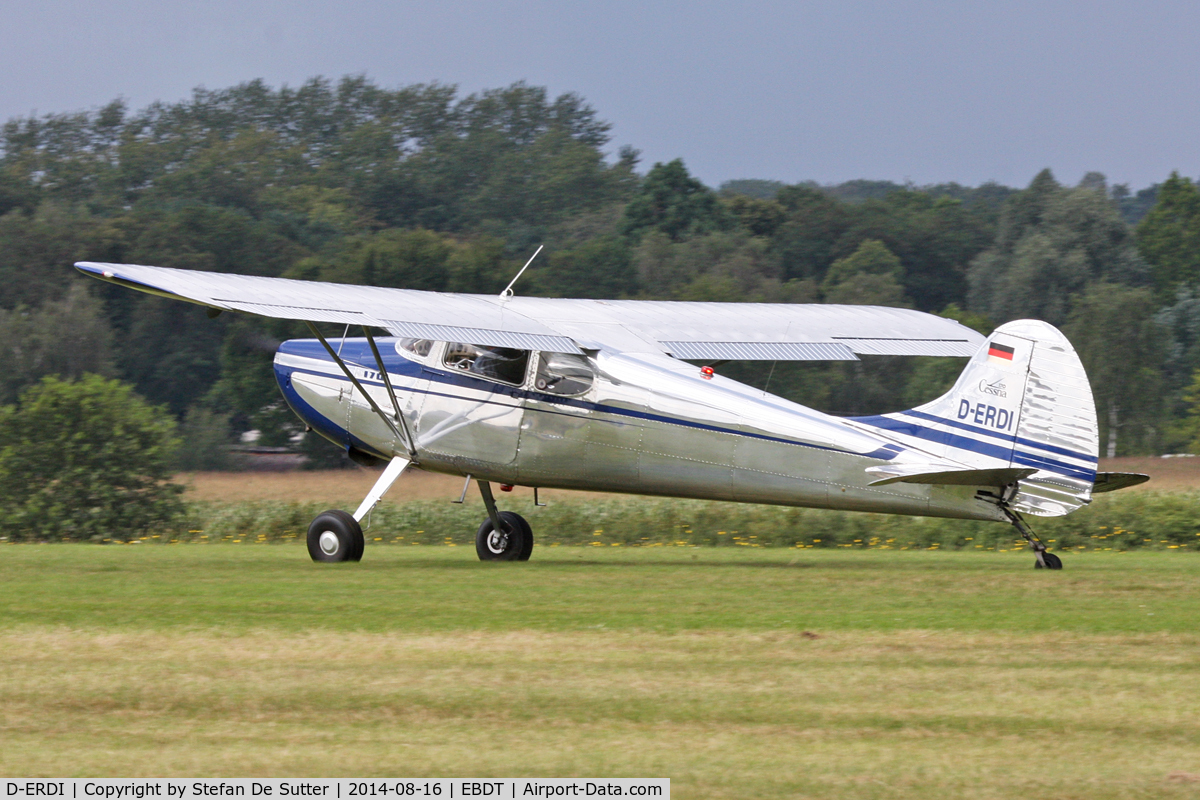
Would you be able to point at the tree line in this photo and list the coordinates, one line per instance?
(421, 187)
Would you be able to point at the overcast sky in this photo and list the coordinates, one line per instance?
(827, 91)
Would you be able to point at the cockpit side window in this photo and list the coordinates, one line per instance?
(503, 364)
(417, 347)
(564, 373)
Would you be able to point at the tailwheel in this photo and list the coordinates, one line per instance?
(335, 536)
(1044, 558)
(1049, 561)
(513, 542)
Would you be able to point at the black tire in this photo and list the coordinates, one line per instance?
(335, 536)
(518, 539)
(527, 545)
(1052, 561)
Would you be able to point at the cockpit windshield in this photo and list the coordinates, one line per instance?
(564, 373)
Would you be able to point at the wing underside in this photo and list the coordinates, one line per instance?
(692, 331)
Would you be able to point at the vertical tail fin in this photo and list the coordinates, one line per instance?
(1023, 401)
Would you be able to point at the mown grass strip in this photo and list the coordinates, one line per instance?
(735, 672)
(854, 714)
(430, 589)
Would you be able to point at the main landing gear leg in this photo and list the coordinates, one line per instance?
(503, 536)
(1045, 559)
(336, 535)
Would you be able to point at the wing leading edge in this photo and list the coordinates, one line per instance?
(694, 331)
(402, 312)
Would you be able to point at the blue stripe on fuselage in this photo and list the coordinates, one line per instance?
(358, 353)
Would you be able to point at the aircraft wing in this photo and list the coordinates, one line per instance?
(694, 331)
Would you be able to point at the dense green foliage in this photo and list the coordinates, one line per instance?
(1129, 521)
(1169, 236)
(420, 187)
(85, 460)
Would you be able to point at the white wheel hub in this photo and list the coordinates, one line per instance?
(329, 542)
(497, 542)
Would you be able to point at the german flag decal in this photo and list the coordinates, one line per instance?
(1000, 352)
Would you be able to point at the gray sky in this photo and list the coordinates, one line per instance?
(829, 91)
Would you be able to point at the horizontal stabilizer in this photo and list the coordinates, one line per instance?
(1111, 481)
(929, 473)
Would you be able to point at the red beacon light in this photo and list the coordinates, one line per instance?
(707, 372)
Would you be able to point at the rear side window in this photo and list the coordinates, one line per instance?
(503, 364)
(564, 373)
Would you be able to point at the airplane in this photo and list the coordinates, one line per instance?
(598, 395)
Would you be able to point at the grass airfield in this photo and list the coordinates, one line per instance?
(735, 672)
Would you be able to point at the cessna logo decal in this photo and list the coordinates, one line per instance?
(997, 389)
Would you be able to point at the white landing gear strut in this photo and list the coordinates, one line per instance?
(337, 536)
(392, 471)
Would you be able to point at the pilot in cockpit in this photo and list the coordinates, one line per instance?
(501, 363)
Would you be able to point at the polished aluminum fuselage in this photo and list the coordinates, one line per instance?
(650, 424)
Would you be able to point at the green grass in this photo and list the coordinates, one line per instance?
(426, 589)
(737, 672)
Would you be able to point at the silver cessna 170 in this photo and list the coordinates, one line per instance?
(596, 395)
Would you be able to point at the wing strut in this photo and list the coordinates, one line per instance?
(387, 381)
(338, 360)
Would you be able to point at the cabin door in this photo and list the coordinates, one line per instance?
(472, 408)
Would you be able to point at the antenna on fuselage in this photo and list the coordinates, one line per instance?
(508, 292)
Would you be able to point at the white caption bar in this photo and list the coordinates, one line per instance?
(336, 789)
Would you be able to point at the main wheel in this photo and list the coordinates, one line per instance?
(514, 543)
(527, 546)
(335, 536)
(1052, 561)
